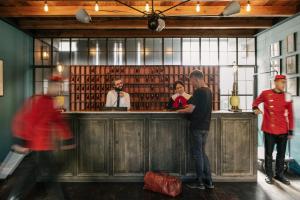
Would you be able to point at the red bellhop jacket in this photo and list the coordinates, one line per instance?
(38, 122)
(278, 115)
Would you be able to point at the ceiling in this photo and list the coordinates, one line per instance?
(29, 14)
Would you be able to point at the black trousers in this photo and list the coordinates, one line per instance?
(270, 141)
(31, 168)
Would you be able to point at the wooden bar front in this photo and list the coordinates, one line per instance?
(123, 146)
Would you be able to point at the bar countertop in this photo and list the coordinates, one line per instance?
(149, 112)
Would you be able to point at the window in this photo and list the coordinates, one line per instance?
(246, 51)
(135, 51)
(79, 51)
(172, 51)
(227, 51)
(61, 51)
(153, 51)
(190, 51)
(209, 51)
(97, 51)
(116, 51)
(245, 87)
(42, 51)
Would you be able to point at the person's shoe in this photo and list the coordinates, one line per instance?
(283, 180)
(197, 185)
(208, 184)
(269, 180)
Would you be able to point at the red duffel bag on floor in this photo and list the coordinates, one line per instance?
(163, 183)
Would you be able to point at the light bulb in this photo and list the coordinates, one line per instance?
(97, 6)
(248, 8)
(198, 7)
(60, 68)
(46, 8)
(147, 7)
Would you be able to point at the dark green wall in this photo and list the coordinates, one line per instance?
(16, 49)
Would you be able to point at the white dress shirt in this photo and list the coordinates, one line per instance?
(112, 96)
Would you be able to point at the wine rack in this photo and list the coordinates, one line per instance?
(150, 87)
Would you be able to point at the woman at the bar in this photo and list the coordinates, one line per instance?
(180, 98)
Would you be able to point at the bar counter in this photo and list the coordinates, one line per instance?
(122, 146)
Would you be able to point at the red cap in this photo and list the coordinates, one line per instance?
(280, 77)
(56, 78)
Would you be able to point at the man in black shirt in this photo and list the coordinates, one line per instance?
(200, 108)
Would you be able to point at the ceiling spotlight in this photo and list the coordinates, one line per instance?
(198, 8)
(156, 23)
(46, 8)
(232, 8)
(97, 7)
(147, 7)
(83, 16)
(248, 8)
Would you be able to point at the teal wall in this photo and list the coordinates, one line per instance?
(279, 33)
(16, 50)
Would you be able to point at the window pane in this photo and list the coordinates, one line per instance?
(157, 44)
(226, 80)
(176, 44)
(195, 44)
(250, 44)
(186, 58)
(231, 44)
(168, 44)
(97, 58)
(176, 58)
(157, 58)
(38, 74)
(249, 87)
(204, 58)
(242, 87)
(79, 44)
(168, 58)
(204, 44)
(213, 44)
(250, 58)
(242, 44)
(249, 102)
(223, 58)
(242, 58)
(214, 58)
(223, 44)
(79, 58)
(149, 58)
(186, 44)
(224, 103)
(231, 58)
(195, 60)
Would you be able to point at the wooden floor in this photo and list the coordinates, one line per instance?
(134, 191)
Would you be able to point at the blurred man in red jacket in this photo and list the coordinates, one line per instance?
(278, 125)
(36, 127)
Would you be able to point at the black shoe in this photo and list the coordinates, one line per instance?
(283, 180)
(208, 184)
(197, 185)
(269, 180)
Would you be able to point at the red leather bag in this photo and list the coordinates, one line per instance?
(163, 183)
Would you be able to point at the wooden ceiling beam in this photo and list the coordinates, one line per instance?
(122, 11)
(205, 23)
(146, 33)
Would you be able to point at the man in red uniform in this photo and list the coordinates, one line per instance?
(35, 127)
(278, 126)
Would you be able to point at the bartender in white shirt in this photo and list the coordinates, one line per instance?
(117, 97)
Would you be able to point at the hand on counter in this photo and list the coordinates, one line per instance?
(257, 111)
